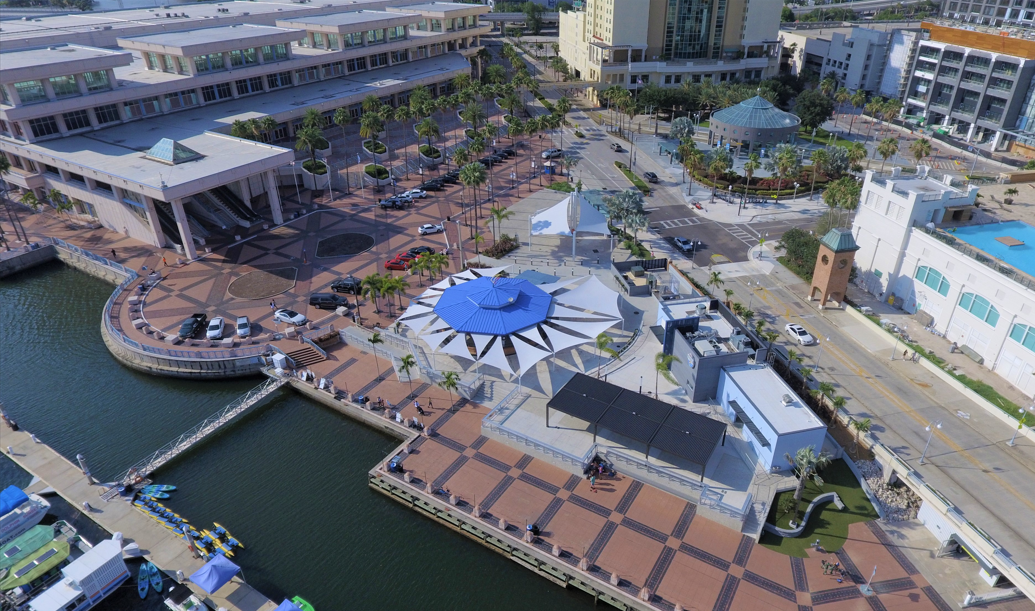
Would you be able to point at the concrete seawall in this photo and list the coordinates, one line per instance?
(12, 262)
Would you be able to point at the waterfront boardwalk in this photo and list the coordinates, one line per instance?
(158, 544)
(657, 544)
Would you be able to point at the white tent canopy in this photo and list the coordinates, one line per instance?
(554, 220)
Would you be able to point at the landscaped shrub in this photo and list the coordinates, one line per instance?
(430, 151)
(636, 180)
(319, 168)
(322, 144)
(378, 172)
(502, 247)
(563, 187)
(800, 251)
(471, 134)
(375, 146)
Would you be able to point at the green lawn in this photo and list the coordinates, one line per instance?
(827, 523)
(822, 138)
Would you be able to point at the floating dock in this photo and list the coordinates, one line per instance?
(157, 543)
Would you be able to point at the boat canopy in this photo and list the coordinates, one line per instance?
(287, 605)
(10, 498)
(26, 543)
(34, 567)
(215, 574)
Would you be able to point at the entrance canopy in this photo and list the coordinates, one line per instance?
(216, 574)
(554, 220)
(644, 419)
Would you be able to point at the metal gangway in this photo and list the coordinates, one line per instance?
(208, 426)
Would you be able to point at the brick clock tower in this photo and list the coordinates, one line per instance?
(833, 267)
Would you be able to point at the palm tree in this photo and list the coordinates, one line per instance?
(820, 159)
(473, 175)
(309, 139)
(371, 287)
(826, 390)
(562, 107)
(428, 129)
(449, 382)
(407, 363)
(495, 74)
(569, 162)
(856, 154)
(684, 150)
(498, 214)
(715, 280)
(57, 200)
(858, 100)
(478, 240)
(752, 165)
(341, 119)
(886, 149)
(461, 156)
(861, 426)
(370, 126)
(729, 294)
(603, 343)
(475, 115)
(807, 464)
(313, 118)
(694, 161)
(840, 96)
(267, 125)
(920, 149)
(770, 336)
(374, 340)
(30, 200)
(837, 403)
(794, 357)
(806, 373)
(872, 108)
(403, 114)
(663, 366)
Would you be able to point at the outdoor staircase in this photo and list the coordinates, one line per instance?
(755, 520)
(230, 203)
(487, 394)
(305, 356)
(168, 223)
(197, 231)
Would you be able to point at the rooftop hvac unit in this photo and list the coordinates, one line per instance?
(787, 400)
(702, 309)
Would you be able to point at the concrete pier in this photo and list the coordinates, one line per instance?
(158, 544)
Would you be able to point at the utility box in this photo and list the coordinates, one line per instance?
(280, 361)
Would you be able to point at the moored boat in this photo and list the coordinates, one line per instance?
(143, 581)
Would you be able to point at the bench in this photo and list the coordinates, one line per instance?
(228, 342)
(139, 323)
(172, 339)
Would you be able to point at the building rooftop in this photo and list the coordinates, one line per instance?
(351, 18)
(756, 113)
(58, 60)
(192, 42)
(443, 9)
(923, 183)
(840, 240)
(767, 392)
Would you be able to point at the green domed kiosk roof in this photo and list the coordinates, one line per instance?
(756, 113)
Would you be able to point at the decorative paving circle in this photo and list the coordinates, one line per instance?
(344, 244)
(263, 283)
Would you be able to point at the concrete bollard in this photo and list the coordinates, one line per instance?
(33, 438)
(614, 579)
(452, 499)
(406, 450)
(10, 450)
(407, 477)
(426, 432)
(477, 511)
(86, 506)
(679, 607)
(385, 467)
(427, 488)
(584, 564)
(556, 550)
(503, 524)
(528, 536)
(645, 595)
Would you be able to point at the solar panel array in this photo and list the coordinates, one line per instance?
(644, 419)
(35, 563)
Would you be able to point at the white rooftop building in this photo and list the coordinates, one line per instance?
(86, 581)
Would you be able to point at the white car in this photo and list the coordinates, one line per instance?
(417, 193)
(244, 326)
(799, 334)
(551, 153)
(215, 328)
(290, 317)
(429, 229)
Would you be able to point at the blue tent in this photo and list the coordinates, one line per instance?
(287, 605)
(215, 574)
(493, 306)
(10, 498)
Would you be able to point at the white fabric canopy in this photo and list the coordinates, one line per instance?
(528, 355)
(457, 347)
(560, 341)
(556, 286)
(594, 296)
(554, 220)
(496, 357)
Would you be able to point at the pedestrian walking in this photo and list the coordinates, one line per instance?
(593, 482)
(430, 404)
(164, 262)
(273, 304)
(113, 255)
(303, 256)
(145, 269)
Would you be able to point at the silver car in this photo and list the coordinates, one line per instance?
(244, 326)
(215, 328)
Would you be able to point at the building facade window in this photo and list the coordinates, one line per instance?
(64, 86)
(4, 99)
(397, 32)
(30, 92)
(933, 278)
(213, 93)
(318, 40)
(49, 169)
(420, 52)
(77, 119)
(142, 108)
(379, 60)
(400, 56)
(354, 39)
(980, 307)
(183, 99)
(307, 75)
(435, 25)
(274, 53)
(152, 61)
(375, 37)
(244, 57)
(170, 63)
(278, 80)
(471, 21)
(184, 66)
(43, 126)
(108, 113)
(333, 69)
(73, 177)
(213, 62)
(333, 42)
(1023, 335)
(102, 186)
(249, 85)
(357, 64)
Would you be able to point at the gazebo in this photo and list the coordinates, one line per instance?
(753, 123)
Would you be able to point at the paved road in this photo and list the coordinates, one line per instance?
(968, 460)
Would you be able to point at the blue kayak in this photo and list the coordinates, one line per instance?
(154, 576)
(142, 579)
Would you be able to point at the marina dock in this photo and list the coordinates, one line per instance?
(158, 544)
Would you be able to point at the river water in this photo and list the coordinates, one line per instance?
(289, 480)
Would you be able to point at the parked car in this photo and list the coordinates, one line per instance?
(429, 229)
(422, 250)
(348, 284)
(327, 301)
(684, 244)
(432, 185)
(508, 152)
(616, 147)
(488, 161)
(650, 176)
(244, 326)
(392, 203)
(449, 178)
(416, 193)
(402, 197)
(215, 328)
(799, 334)
(191, 326)
(290, 317)
(397, 264)
(552, 153)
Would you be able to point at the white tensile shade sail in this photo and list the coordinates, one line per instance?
(554, 220)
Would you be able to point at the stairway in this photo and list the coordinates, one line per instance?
(228, 201)
(197, 231)
(167, 222)
(305, 356)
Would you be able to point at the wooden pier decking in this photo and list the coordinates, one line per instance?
(158, 544)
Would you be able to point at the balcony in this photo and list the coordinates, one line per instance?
(965, 109)
(982, 66)
(1005, 70)
(918, 98)
(952, 60)
(924, 74)
(1000, 88)
(24, 178)
(993, 115)
(942, 101)
(929, 56)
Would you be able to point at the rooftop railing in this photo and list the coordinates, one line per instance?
(980, 256)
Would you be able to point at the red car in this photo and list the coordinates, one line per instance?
(409, 256)
(398, 264)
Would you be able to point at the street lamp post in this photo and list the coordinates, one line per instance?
(930, 427)
(820, 355)
(1020, 423)
(795, 196)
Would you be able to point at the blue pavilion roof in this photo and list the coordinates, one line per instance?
(756, 113)
(493, 306)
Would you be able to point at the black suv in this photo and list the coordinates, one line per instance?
(349, 284)
(650, 176)
(432, 185)
(508, 152)
(327, 301)
(449, 178)
(190, 327)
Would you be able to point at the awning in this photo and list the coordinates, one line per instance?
(216, 574)
(554, 220)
